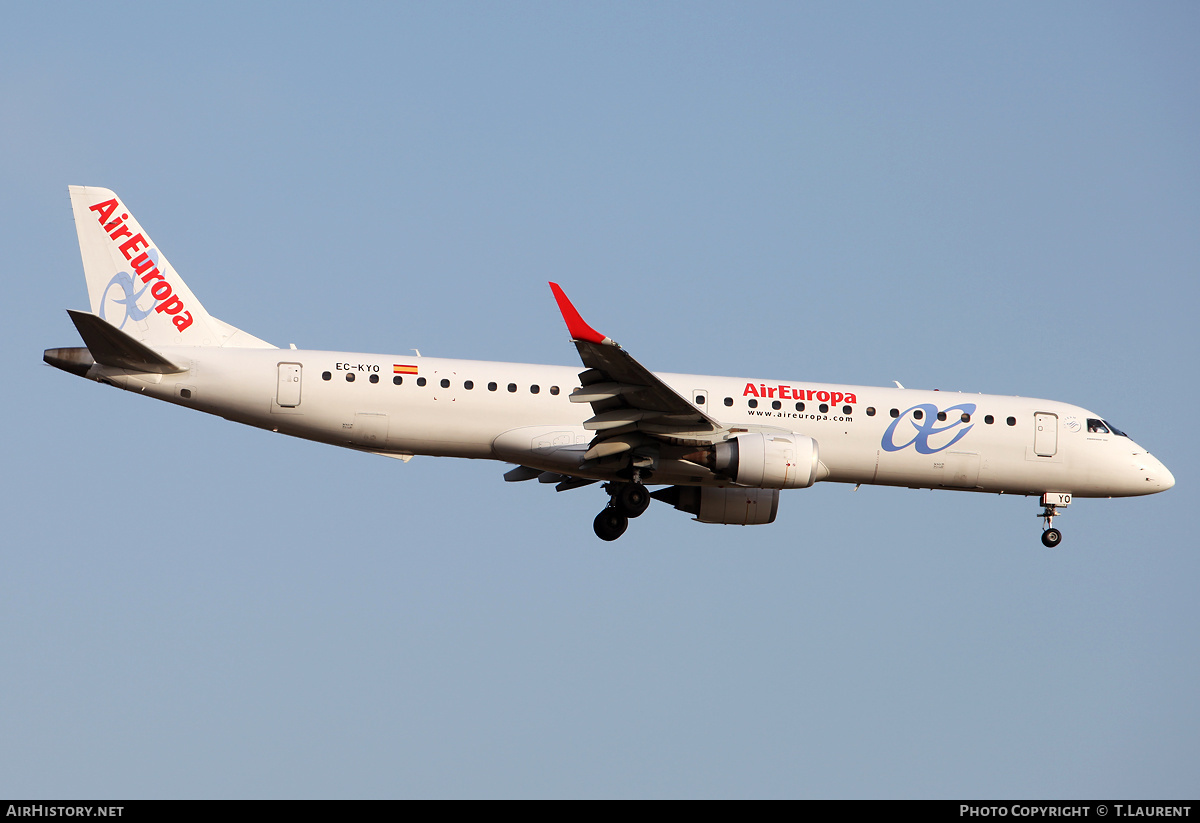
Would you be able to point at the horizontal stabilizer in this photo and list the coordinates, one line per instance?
(112, 347)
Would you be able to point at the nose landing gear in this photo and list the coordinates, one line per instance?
(1051, 536)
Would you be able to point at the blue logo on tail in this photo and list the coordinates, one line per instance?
(125, 282)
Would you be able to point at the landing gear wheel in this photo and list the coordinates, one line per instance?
(1051, 536)
(610, 524)
(633, 499)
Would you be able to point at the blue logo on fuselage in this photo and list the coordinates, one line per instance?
(926, 425)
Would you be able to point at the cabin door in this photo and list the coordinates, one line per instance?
(287, 394)
(1045, 434)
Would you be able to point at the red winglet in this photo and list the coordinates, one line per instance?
(579, 330)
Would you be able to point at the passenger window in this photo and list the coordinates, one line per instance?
(554, 389)
(776, 405)
(469, 384)
(728, 401)
(941, 415)
(752, 403)
(420, 381)
(989, 419)
(846, 410)
(512, 387)
(894, 412)
(397, 380)
(870, 411)
(1012, 421)
(918, 414)
(966, 418)
(534, 389)
(700, 400)
(374, 378)
(491, 386)
(824, 407)
(799, 407)
(349, 377)
(326, 375)
(445, 383)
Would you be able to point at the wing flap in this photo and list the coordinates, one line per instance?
(596, 392)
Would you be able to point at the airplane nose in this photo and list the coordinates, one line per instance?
(1157, 475)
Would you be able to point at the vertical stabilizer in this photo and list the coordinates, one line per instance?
(132, 285)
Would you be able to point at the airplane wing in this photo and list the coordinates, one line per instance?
(631, 406)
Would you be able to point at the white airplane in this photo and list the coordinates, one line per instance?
(723, 447)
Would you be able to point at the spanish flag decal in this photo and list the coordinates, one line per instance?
(398, 369)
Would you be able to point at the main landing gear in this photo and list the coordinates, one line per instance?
(1051, 537)
(625, 500)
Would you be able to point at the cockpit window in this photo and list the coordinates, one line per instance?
(1097, 426)
(1115, 430)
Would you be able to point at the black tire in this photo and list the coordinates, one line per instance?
(1051, 538)
(633, 499)
(610, 524)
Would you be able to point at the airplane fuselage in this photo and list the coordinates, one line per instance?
(522, 413)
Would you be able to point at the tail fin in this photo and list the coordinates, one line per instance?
(132, 285)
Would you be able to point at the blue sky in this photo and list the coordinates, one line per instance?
(998, 198)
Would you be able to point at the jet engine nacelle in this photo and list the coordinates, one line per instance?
(769, 461)
(734, 507)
